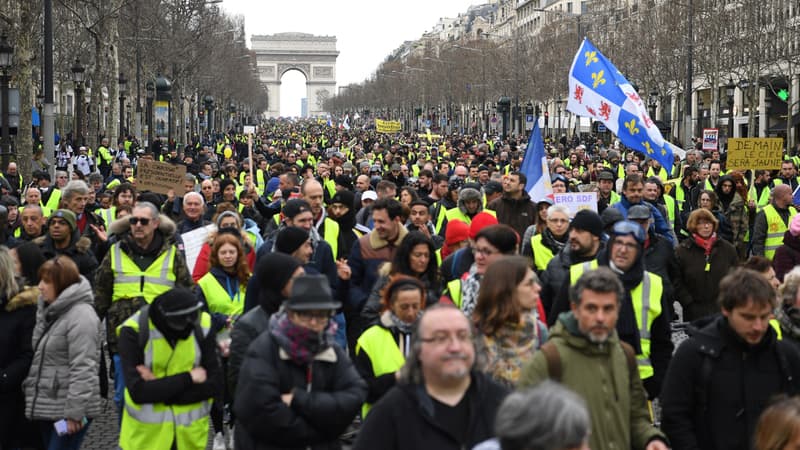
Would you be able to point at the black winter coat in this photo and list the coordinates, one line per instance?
(319, 412)
(722, 412)
(403, 418)
(696, 288)
(519, 214)
(17, 319)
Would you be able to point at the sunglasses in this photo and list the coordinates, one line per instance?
(142, 220)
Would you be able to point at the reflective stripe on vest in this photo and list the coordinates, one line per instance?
(439, 215)
(383, 353)
(108, 215)
(541, 254)
(775, 229)
(455, 213)
(646, 299)
(132, 282)
(55, 199)
(218, 299)
(156, 425)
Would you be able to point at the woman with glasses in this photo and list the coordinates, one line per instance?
(541, 247)
(703, 260)
(296, 388)
(491, 244)
(732, 198)
(506, 317)
(62, 393)
(382, 349)
(708, 200)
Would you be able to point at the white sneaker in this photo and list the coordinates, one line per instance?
(219, 442)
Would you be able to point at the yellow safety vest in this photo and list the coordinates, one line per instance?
(259, 181)
(330, 185)
(761, 201)
(332, 235)
(541, 254)
(775, 229)
(777, 326)
(438, 208)
(46, 212)
(219, 300)
(156, 425)
(132, 282)
(455, 213)
(646, 298)
(662, 173)
(108, 215)
(454, 290)
(383, 353)
(55, 199)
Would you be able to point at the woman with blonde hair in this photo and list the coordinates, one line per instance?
(506, 318)
(779, 426)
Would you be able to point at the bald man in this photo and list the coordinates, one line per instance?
(772, 222)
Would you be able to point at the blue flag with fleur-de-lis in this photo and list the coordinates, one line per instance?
(598, 90)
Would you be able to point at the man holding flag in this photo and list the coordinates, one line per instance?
(534, 167)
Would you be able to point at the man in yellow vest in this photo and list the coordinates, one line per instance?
(645, 310)
(172, 373)
(142, 264)
(772, 222)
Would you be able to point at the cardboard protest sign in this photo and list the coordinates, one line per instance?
(754, 153)
(159, 177)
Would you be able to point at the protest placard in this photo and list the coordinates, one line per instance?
(388, 126)
(249, 129)
(755, 153)
(159, 177)
(193, 242)
(576, 201)
(710, 138)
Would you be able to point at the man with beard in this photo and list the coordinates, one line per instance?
(441, 401)
(585, 234)
(586, 354)
(644, 313)
(342, 212)
(64, 238)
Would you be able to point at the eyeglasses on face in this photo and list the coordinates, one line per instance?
(142, 220)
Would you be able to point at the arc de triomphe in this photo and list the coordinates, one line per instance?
(314, 56)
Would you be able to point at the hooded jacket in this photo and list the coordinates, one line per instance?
(735, 211)
(62, 381)
(79, 250)
(17, 319)
(117, 312)
(600, 374)
(722, 414)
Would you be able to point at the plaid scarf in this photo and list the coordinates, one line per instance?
(302, 344)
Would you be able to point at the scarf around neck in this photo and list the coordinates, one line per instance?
(302, 344)
(705, 243)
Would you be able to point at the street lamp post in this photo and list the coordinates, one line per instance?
(77, 78)
(150, 89)
(123, 90)
(699, 115)
(6, 58)
(730, 89)
(653, 101)
(559, 105)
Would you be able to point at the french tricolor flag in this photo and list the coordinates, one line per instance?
(534, 166)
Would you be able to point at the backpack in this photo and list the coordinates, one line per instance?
(553, 358)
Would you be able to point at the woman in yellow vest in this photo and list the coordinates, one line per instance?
(541, 247)
(507, 319)
(223, 287)
(382, 349)
(225, 220)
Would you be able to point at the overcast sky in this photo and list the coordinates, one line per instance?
(366, 31)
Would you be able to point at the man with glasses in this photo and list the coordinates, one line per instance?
(586, 354)
(441, 402)
(645, 307)
(144, 263)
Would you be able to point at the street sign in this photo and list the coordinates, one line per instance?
(428, 122)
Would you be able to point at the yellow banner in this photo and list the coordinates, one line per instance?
(755, 153)
(388, 126)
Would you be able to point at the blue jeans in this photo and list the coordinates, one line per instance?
(52, 441)
(119, 385)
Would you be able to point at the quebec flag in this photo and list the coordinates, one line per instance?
(598, 90)
(534, 166)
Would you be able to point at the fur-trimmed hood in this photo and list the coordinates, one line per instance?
(28, 296)
(122, 226)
